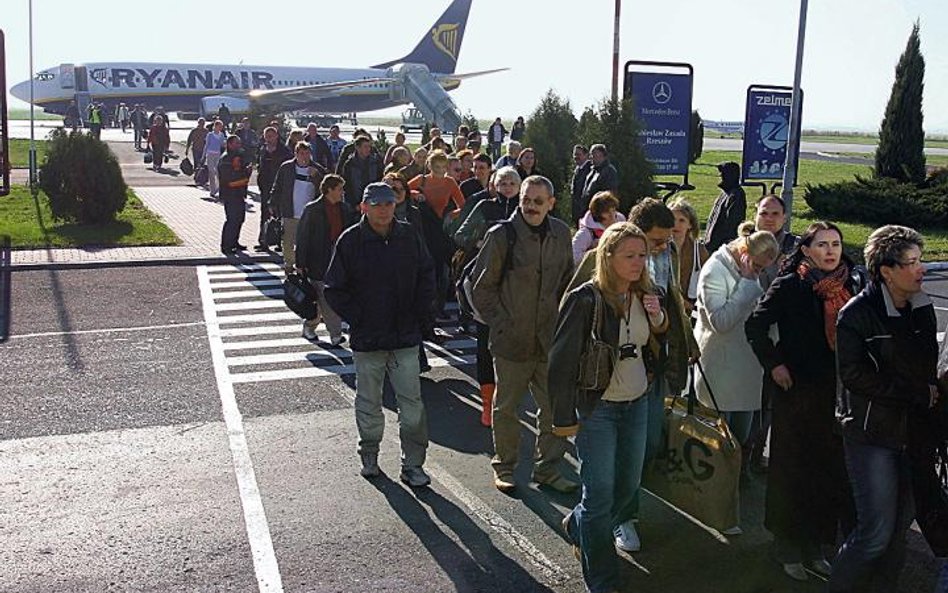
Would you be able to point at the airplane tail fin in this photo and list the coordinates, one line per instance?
(439, 48)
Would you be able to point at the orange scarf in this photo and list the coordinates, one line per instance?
(831, 288)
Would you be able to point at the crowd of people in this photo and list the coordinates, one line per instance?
(830, 364)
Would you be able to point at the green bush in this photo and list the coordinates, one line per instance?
(551, 132)
(881, 201)
(82, 179)
(613, 123)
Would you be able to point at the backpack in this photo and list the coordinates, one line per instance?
(465, 282)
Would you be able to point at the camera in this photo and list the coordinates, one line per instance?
(628, 351)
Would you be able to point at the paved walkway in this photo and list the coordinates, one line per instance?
(188, 211)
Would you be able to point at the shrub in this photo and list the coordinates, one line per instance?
(82, 179)
(697, 137)
(551, 132)
(470, 121)
(381, 142)
(881, 201)
(613, 123)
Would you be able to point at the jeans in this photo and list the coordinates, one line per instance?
(289, 243)
(611, 449)
(882, 489)
(513, 380)
(740, 424)
(942, 585)
(654, 437)
(402, 369)
(234, 214)
(213, 177)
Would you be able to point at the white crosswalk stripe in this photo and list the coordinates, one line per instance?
(260, 337)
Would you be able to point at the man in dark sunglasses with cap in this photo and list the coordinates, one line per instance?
(381, 282)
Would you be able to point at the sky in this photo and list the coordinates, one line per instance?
(852, 46)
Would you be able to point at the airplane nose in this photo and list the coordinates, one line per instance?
(21, 91)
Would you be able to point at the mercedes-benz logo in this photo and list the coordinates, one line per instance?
(661, 92)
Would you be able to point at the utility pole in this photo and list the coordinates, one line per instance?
(793, 138)
(615, 53)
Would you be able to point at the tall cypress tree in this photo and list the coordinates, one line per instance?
(901, 154)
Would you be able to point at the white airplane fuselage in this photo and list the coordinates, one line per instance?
(180, 87)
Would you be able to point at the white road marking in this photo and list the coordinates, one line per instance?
(258, 531)
(550, 569)
(311, 356)
(244, 276)
(249, 305)
(261, 317)
(311, 372)
(260, 331)
(111, 330)
(243, 294)
(212, 271)
(281, 343)
(245, 284)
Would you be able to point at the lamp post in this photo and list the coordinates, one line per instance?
(793, 139)
(32, 132)
(615, 53)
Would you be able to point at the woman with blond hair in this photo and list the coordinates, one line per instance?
(609, 418)
(728, 291)
(691, 251)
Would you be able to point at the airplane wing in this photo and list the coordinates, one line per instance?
(309, 93)
(465, 76)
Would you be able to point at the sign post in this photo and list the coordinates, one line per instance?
(766, 134)
(661, 97)
(5, 163)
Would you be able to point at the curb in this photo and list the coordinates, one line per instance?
(133, 263)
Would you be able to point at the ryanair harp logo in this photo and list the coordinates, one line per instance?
(445, 38)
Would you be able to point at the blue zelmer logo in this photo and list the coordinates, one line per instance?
(187, 79)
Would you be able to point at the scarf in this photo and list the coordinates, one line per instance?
(831, 288)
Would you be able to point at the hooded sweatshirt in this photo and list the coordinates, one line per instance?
(587, 237)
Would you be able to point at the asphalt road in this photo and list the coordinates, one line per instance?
(126, 468)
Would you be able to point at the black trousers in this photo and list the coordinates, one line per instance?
(234, 213)
(264, 215)
(485, 360)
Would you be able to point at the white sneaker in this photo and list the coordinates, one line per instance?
(627, 538)
(338, 340)
(309, 332)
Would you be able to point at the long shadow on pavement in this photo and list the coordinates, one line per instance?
(477, 566)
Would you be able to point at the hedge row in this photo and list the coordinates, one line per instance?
(882, 201)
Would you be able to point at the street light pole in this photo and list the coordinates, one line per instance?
(32, 133)
(615, 53)
(793, 138)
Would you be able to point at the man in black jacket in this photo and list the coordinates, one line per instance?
(295, 186)
(321, 224)
(602, 177)
(273, 154)
(729, 209)
(578, 182)
(234, 170)
(361, 168)
(886, 353)
(381, 281)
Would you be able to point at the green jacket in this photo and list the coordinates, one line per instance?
(681, 340)
(520, 305)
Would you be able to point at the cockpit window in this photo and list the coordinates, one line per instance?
(44, 76)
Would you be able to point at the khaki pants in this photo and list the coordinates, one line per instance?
(326, 314)
(289, 243)
(403, 372)
(513, 379)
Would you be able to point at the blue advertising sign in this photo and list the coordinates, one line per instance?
(766, 132)
(662, 104)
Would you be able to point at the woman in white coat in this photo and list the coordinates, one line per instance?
(728, 291)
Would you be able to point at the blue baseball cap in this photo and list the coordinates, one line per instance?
(378, 193)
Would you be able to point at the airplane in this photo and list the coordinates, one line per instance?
(423, 78)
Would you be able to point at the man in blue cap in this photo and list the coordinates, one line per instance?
(381, 282)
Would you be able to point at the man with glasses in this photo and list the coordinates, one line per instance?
(381, 282)
(517, 294)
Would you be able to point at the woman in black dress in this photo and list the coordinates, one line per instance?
(807, 490)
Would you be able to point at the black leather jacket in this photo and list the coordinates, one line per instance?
(886, 362)
(573, 328)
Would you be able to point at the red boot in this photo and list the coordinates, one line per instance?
(487, 400)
